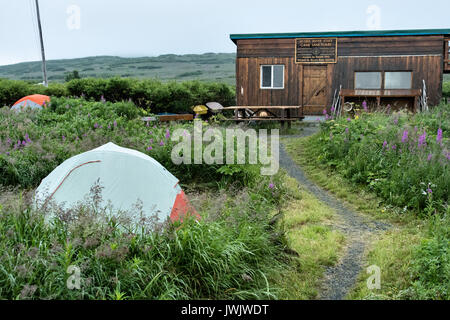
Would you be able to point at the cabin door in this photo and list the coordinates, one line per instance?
(314, 89)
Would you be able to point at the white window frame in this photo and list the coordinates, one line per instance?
(271, 80)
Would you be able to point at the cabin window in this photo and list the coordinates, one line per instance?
(272, 76)
(398, 80)
(367, 80)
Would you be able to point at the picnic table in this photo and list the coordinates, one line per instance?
(266, 113)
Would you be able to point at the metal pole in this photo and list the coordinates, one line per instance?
(44, 66)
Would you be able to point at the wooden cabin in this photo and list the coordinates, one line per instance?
(309, 69)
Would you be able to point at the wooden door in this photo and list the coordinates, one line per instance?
(315, 86)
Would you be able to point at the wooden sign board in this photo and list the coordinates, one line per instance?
(315, 50)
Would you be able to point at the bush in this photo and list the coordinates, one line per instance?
(398, 157)
(228, 255)
(32, 144)
(176, 97)
(446, 89)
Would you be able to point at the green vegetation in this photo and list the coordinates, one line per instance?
(446, 89)
(233, 252)
(32, 144)
(152, 95)
(404, 160)
(208, 67)
(230, 254)
(414, 254)
(306, 222)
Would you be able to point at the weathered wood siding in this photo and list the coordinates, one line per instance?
(423, 55)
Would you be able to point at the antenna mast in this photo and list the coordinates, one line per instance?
(44, 66)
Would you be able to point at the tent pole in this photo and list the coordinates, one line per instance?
(44, 66)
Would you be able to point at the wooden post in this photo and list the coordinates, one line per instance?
(44, 66)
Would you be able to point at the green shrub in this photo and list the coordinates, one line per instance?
(229, 254)
(72, 126)
(446, 89)
(398, 157)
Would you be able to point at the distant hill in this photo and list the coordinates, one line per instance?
(219, 67)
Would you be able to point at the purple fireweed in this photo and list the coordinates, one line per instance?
(430, 156)
(405, 136)
(346, 130)
(385, 144)
(394, 147)
(364, 104)
(271, 186)
(150, 148)
(115, 124)
(422, 140)
(161, 143)
(151, 140)
(96, 125)
(348, 119)
(324, 111)
(439, 136)
(167, 134)
(396, 121)
(429, 190)
(333, 109)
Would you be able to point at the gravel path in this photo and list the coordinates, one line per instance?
(340, 278)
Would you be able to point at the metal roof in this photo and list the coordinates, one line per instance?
(375, 33)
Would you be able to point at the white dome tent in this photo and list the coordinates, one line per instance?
(126, 176)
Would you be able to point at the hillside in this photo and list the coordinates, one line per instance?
(218, 67)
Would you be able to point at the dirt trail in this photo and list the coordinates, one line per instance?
(340, 278)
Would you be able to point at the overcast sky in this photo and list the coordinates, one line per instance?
(131, 28)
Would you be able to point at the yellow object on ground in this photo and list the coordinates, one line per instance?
(200, 109)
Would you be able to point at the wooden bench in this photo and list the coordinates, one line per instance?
(253, 113)
(379, 94)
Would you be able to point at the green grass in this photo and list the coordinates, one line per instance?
(393, 253)
(231, 253)
(304, 152)
(306, 223)
(414, 255)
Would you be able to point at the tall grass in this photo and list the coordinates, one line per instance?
(229, 254)
(403, 159)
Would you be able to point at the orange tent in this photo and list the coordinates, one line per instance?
(35, 101)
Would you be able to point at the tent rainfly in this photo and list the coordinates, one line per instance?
(34, 102)
(126, 176)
